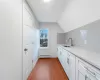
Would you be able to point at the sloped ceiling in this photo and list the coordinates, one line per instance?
(79, 13)
(47, 12)
(69, 14)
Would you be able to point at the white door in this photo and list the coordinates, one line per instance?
(28, 44)
(27, 52)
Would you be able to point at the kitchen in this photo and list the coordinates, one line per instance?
(50, 40)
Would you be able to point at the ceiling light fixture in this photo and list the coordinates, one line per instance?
(46, 1)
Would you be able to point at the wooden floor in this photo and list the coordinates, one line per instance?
(48, 69)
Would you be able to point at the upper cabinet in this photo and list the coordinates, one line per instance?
(79, 13)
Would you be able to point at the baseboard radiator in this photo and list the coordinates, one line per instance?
(45, 56)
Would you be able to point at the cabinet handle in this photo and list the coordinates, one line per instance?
(68, 60)
(86, 77)
(91, 73)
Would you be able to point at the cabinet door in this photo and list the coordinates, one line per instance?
(59, 53)
(92, 75)
(85, 71)
(63, 58)
(72, 67)
(81, 76)
(66, 62)
(80, 71)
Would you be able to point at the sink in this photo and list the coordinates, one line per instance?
(67, 46)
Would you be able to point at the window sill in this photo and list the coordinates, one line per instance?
(43, 48)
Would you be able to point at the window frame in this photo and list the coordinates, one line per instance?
(47, 38)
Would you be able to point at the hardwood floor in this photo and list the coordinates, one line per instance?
(48, 69)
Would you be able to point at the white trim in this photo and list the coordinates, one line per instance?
(43, 47)
(47, 38)
(34, 63)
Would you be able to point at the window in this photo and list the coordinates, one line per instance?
(43, 38)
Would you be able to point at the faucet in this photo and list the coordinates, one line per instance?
(70, 40)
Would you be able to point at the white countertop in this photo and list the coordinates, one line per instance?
(91, 57)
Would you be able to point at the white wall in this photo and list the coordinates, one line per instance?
(79, 13)
(61, 38)
(53, 30)
(11, 55)
(10, 39)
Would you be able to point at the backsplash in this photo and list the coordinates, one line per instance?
(87, 36)
(61, 38)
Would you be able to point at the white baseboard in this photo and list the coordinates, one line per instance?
(34, 63)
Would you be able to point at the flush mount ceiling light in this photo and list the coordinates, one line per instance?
(46, 1)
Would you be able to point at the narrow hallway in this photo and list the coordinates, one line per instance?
(48, 69)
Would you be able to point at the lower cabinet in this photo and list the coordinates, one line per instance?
(59, 51)
(72, 60)
(85, 71)
(80, 70)
(67, 61)
(76, 68)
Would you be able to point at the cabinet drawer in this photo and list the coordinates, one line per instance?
(60, 49)
(88, 69)
(81, 67)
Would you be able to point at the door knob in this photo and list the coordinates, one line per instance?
(25, 49)
(68, 60)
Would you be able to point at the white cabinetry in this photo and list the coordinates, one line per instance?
(76, 68)
(72, 67)
(60, 54)
(67, 61)
(85, 71)
(80, 70)
(66, 57)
